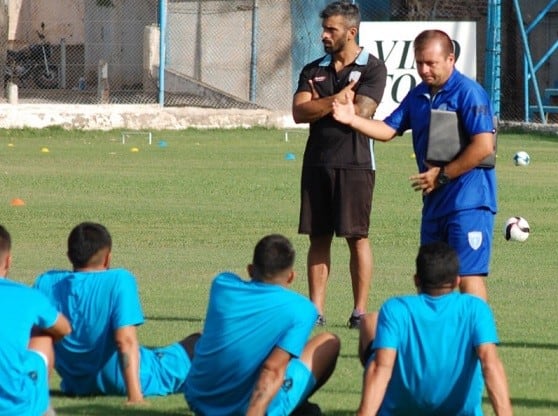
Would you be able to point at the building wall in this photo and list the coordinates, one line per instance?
(62, 19)
(114, 34)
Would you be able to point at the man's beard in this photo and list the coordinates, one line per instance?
(333, 48)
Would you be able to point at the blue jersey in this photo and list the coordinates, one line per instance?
(21, 308)
(437, 370)
(97, 303)
(475, 188)
(245, 321)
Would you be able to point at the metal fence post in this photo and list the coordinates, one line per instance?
(493, 54)
(254, 53)
(162, 49)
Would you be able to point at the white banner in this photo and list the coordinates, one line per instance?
(392, 42)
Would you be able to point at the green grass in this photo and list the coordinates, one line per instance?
(181, 214)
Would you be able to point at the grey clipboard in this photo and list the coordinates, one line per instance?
(446, 140)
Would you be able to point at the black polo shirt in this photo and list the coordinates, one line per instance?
(330, 143)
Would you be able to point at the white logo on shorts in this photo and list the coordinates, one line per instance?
(475, 239)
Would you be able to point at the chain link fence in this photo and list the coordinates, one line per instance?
(218, 54)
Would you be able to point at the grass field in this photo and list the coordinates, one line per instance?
(180, 213)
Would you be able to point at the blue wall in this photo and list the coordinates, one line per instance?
(307, 28)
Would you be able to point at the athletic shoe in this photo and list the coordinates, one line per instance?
(320, 321)
(354, 322)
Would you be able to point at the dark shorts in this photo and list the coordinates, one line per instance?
(336, 201)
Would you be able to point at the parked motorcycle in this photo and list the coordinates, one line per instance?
(32, 62)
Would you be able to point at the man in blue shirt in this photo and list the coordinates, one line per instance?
(459, 197)
(29, 326)
(103, 355)
(427, 354)
(254, 356)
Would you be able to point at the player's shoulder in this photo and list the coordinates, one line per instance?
(226, 278)
(52, 276)
(400, 304)
(370, 60)
(25, 294)
(402, 299)
(317, 64)
(119, 275)
(465, 84)
(300, 299)
(12, 284)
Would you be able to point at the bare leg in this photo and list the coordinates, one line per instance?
(44, 344)
(189, 342)
(319, 260)
(320, 356)
(361, 271)
(367, 334)
(474, 285)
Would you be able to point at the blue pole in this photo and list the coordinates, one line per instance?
(492, 76)
(162, 49)
(531, 73)
(254, 53)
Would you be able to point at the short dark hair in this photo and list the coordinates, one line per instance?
(349, 11)
(85, 241)
(272, 255)
(5, 241)
(437, 265)
(427, 35)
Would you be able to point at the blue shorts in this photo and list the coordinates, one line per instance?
(36, 400)
(298, 384)
(469, 232)
(163, 371)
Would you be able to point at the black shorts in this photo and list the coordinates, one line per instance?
(336, 201)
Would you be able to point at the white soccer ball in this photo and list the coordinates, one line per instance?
(516, 229)
(521, 158)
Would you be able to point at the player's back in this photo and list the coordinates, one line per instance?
(437, 370)
(245, 321)
(96, 303)
(20, 368)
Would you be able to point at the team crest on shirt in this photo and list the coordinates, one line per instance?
(475, 239)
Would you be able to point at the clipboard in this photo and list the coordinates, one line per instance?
(446, 140)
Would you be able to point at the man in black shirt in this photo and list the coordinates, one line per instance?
(338, 169)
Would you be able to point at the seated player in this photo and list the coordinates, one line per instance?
(30, 325)
(254, 356)
(427, 354)
(103, 355)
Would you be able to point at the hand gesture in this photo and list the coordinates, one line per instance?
(347, 93)
(425, 181)
(344, 112)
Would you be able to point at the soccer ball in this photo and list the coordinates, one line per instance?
(521, 158)
(516, 229)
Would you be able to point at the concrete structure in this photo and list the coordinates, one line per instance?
(62, 19)
(137, 117)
